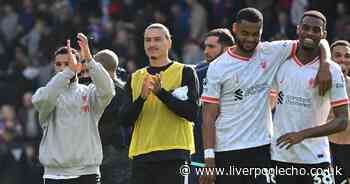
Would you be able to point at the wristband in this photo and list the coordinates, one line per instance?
(209, 153)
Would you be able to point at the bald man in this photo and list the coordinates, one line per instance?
(115, 166)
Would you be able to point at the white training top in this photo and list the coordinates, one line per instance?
(241, 86)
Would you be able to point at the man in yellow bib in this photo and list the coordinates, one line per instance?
(162, 104)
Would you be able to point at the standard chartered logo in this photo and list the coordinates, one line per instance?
(239, 94)
(293, 100)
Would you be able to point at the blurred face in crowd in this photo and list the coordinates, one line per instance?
(156, 43)
(7, 112)
(27, 99)
(61, 61)
(212, 48)
(341, 55)
(8, 9)
(131, 66)
(310, 32)
(247, 35)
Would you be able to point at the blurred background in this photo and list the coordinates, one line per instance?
(31, 30)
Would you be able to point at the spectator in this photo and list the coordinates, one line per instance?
(343, 18)
(9, 23)
(198, 19)
(283, 25)
(192, 53)
(297, 10)
(29, 119)
(10, 147)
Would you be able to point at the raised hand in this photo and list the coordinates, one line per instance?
(146, 87)
(72, 60)
(156, 83)
(84, 47)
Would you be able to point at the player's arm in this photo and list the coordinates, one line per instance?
(340, 105)
(323, 77)
(45, 98)
(103, 89)
(339, 123)
(185, 108)
(210, 113)
(211, 107)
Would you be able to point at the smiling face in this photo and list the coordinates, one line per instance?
(310, 31)
(156, 43)
(341, 55)
(248, 35)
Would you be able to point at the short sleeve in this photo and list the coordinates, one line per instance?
(211, 85)
(281, 49)
(338, 91)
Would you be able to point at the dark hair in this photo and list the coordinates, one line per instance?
(64, 50)
(225, 37)
(250, 15)
(340, 43)
(315, 14)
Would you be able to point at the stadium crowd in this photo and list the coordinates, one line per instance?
(31, 30)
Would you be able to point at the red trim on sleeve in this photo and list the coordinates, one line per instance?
(340, 102)
(209, 99)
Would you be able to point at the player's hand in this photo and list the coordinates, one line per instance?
(84, 47)
(146, 87)
(72, 60)
(290, 139)
(156, 83)
(324, 78)
(207, 178)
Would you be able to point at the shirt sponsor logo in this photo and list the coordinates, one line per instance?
(280, 98)
(240, 94)
(293, 100)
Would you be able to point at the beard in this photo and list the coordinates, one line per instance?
(241, 47)
(213, 58)
(308, 48)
